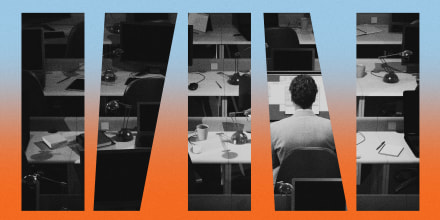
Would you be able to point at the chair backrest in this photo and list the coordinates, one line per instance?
(120, 177)
(281, 37)
(32, 102)
(75, 42)
(147, 89)
(244, 92)
(309, 162)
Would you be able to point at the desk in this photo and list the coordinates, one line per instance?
(209, 87)
(37, 151)
(371, 85)
(367, 154)
(55, 71)
(213, 152)
(383, 37)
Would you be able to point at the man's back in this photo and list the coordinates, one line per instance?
(304, 129)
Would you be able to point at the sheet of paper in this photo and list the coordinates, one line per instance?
(276, 93)
(391, 150)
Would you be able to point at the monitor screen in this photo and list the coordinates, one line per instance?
(32, 49)
(147, 42)
(318, 194)
(293, 59)
(410, 41)
(190, 45)
(411, 112)
(147, 116)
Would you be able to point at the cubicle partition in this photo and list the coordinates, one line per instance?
(301, 132)
(52, 111)
(387, 97)
(219, 109)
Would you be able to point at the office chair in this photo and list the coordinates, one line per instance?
(75, 42)
(244, 92)
(147, 89)
(120, 178)
(280, 37)
(309, 162)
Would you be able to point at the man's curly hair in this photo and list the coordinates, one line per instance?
(303, 91)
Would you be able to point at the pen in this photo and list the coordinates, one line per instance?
(218, 84)
(381, 144)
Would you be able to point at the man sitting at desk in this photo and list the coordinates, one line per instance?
(304, 128)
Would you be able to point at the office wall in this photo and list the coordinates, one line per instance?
(365, 18)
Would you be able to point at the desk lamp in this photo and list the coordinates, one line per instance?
(124, 135)
(239, 137)
(235, 78)
(391, 76)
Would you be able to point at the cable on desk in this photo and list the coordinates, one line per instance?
(204, 77)
(371, 72)
(363, 138)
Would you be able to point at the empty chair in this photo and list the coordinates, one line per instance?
(147, 89)
(281, 37)
(75, 42)
(244, 92)
(309, 162)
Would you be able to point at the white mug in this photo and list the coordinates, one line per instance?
(360, 71)
(202, 132)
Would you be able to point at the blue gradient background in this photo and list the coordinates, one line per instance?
(334, 25)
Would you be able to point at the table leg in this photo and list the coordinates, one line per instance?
(227, 178)
(358, 173)
(361, 106)
(385, 178)
(224, 100)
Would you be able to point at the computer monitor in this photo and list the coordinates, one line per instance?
(286, 59)
(410, 41)
(411, 114)
(32, 49)
(148, 42)
(190, 44)
(120, 178)
(318, 194)
(147, 113)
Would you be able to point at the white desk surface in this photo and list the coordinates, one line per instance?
(53, 88)
(214, 153)
(209, 87)
(371, 85)
(367, 154)
(119, 145)
(383, 37)
(38, 152)
(117, 87)
(219, 35)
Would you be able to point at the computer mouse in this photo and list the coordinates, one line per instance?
(108, 76)
(193, 86)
